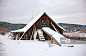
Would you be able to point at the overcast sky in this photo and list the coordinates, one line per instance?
(63, 11)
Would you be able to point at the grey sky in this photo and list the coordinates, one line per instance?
(63, 11)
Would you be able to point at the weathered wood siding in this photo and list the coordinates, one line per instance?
(43, 21)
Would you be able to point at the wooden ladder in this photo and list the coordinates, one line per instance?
(41, 36)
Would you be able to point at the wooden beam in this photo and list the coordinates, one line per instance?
(56, 41)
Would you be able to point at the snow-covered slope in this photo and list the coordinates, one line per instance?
(55, 35)
(9, 47)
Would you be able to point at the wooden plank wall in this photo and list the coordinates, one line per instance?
(30, 33)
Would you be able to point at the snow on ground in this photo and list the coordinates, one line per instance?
(71, 34)
(9, 47)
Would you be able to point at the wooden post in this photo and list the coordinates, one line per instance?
(14, 36)
(26, 36)
(51, 40)
(18, 36)
(29, 35)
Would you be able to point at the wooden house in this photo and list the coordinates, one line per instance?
(33, 30)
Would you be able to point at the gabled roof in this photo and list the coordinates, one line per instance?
(31, 23)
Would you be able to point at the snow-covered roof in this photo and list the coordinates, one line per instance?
(31, 23)
(59, 25)
(51, 32)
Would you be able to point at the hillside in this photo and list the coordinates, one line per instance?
(66, 26)
(72, 27)
(11, 26)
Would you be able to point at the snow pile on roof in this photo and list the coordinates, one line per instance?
(49, 31)
(31, 23)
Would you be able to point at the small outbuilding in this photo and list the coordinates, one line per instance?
(33, 30)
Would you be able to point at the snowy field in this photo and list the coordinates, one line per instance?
(9, 47)
(75, 34)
